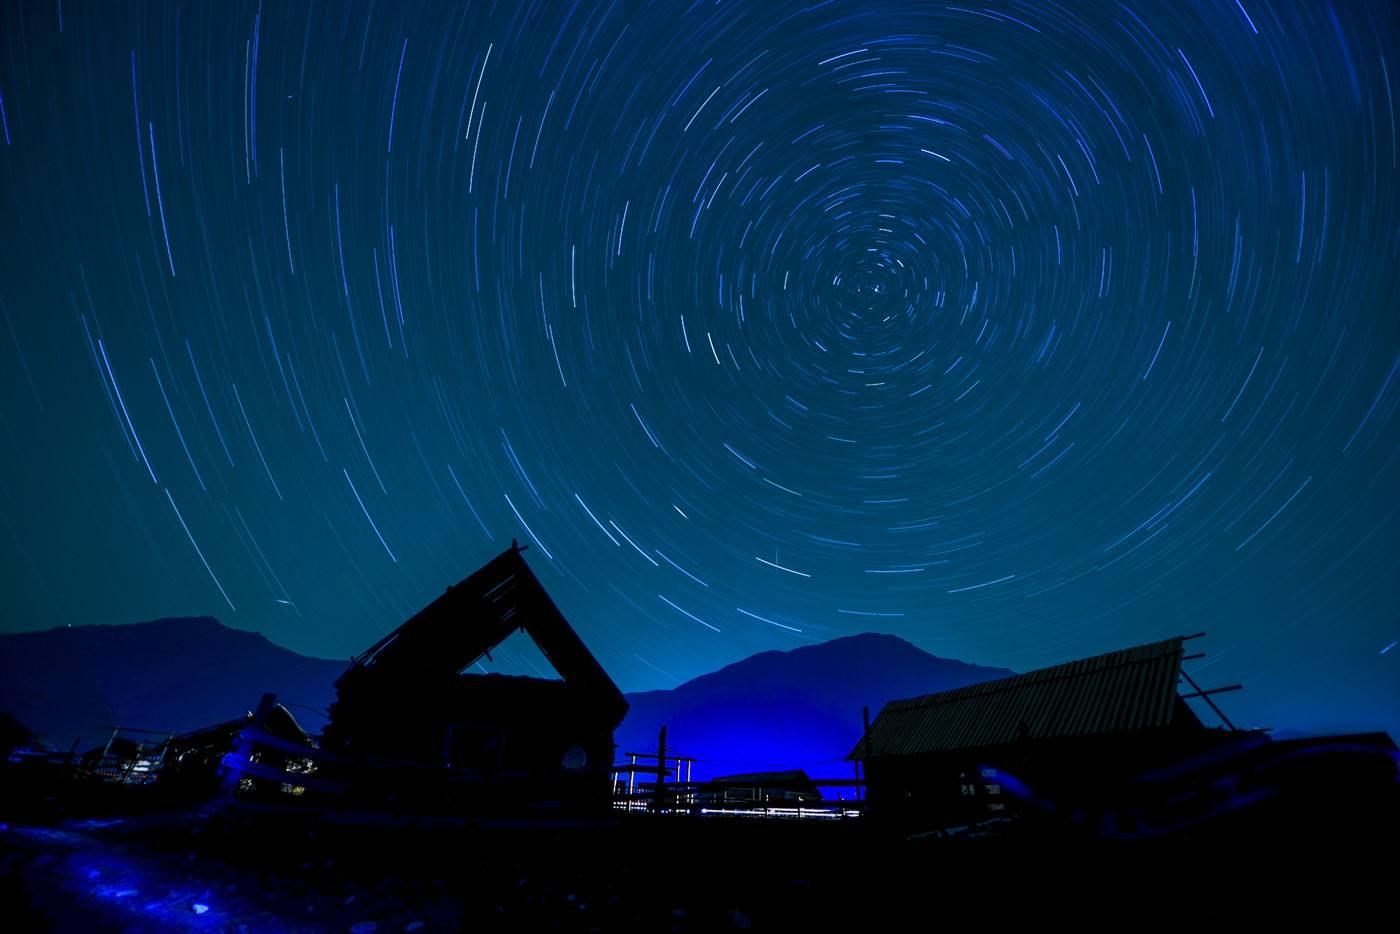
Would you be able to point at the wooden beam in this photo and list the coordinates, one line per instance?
(1205, 696)
(1209, 691)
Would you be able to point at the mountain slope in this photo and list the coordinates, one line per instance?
(170, 674)
(794, 709)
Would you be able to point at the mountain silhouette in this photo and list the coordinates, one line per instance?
(795, 709)
(76, 682)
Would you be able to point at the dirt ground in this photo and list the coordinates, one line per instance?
(253, 871)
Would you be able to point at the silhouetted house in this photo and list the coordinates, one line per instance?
(427, 733)
(1063, 741)
(759, 789)
(190, 763)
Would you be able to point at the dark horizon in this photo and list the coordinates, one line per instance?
(1023, 334)
(517, 655)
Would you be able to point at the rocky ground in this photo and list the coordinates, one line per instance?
(255, 871)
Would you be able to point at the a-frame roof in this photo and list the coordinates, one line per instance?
(477, 614)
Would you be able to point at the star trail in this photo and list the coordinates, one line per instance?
(1024, 331)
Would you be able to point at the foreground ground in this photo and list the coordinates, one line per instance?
(255, 871)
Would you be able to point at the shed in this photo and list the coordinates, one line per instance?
(1062, 740)
(422, 726)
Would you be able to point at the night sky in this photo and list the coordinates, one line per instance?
(1024, 331)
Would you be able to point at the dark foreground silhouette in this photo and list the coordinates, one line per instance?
(441, 799)
(251, 871)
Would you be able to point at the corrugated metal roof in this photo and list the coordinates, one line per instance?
(1128, 690)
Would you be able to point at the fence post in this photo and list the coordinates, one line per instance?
(660, 769)
(864, 764)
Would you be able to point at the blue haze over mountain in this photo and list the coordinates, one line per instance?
(798, 709)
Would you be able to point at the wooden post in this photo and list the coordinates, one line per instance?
(869, 751)
(660, 769)
(107, 750)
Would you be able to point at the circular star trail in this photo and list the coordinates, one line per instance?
(1023, 331)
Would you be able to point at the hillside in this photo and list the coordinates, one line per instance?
(73, 683)
(795, 709)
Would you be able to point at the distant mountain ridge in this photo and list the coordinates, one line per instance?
(779, 709)
(76, 682)
(790, 709)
